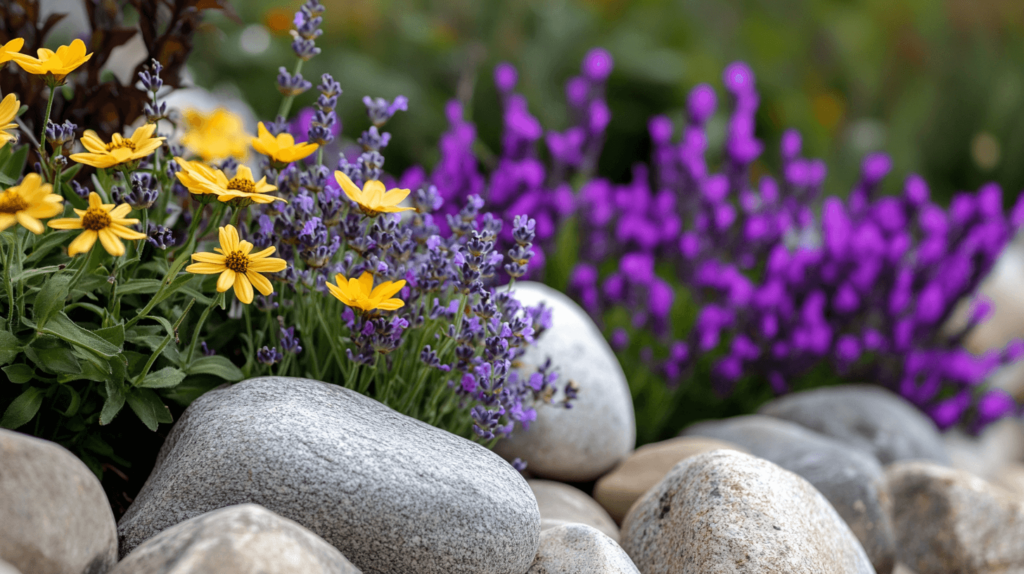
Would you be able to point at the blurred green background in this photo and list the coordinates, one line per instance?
(937, 83)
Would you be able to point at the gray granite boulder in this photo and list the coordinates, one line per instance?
(867, 417)
(6, 568)
(588, 440)
(561, 502)
(579, 549)
(54, 516)
(242, 539)
(393, 494)
(725, 511)
(851, 479)
(948, 520)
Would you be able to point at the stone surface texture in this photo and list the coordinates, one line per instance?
(852, 480)
(1000, 444)
(580, 549)
(584, 442)
(865, 416)
(1011, 477)
(645, 467)
(725, 512)
(6, 568)
(242, 539)
(948, 520)
(54, 515)
(393, 494)
(562, 502)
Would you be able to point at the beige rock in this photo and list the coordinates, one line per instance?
(948, 520)
(620, 488)
(1000, 444)
(6, 568)
(1011, 477)
(563, 503)
(902, 568)
(579, 549)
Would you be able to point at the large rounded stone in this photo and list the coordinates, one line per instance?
(393, 494)
(948, 520)
(54, 516)
(645, 467)
(6, 568)
(563, 503)
(867, 417)
(725, 511)
(588, 440)
(580, 549)
(242, 539)
(851, 479)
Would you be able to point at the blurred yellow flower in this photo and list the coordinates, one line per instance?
(58, 64)
(8, 109)
(217, 135)
(243, 188)
(102, 221)
(281, 149)
(28, 202)
(238, 266)
(120, 149)
(11, 50)
(361, 294)
(372, 199)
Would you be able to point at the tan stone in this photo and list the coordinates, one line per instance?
(560, 503)
(1011, 477)
(619, 489)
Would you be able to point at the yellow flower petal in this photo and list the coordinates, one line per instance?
(111, 242)
(261, 283)
(226, 280)
(243, 289)
(83, 243)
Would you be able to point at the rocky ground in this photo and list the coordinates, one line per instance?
(287, 476)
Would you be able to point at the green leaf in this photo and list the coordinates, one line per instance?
(178, 283)
(22, 409)
(4, 180)
(50, 299)
(56, 360)
(140, 286)
(164, 378)
(113, 335)
(30, 273)
(20, 373)
(76, 401)
(113, 404)
(9, 347)
(90, 372)
(149, 408)
(16, 163)
(62, 326)
(215, 365)
(70, 173)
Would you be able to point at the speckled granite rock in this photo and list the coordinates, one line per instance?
(580, 549)
(242, 539)
(851, 479)
(6, 568)
(645, 467)
(724, 511)
(865, 416)
(948, 520)
(562, 502)
(588, 440)
(54, 516)
(393, 494)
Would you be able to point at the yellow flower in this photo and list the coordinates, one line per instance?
(282, 149)
(29, 202)
(11, 50)
(361, 294)
(103, 221)
(58, 64)
(237, 266)
(242, 187)
(372, 199)
(217, 135)
(119, 150)
(8, 109)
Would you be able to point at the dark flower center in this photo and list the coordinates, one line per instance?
(95, 219)
(243, 185)
(237, 261)
(11, 202)
(120, 142)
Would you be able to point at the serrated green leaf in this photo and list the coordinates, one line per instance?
(50, 299)
(23, 408)
(63, 327)
(216, 365)
(20, 373)
(166, 377)
(149, 408)
(9, 347)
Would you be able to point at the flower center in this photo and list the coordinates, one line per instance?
(95, 219)
(242, 184)
(119, 142)
(11, 202)
(237, 261)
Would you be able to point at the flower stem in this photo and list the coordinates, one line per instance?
(199, 326)
(286, 103)
(42, 131)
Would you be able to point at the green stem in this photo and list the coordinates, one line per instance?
(332, 348)
(286, 103)
(42, 131)
(199, 327)
(163, 344)
(10, 286)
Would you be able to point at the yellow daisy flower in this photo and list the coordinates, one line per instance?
(237, 266)
(361, 294)
(8, 109)
(217, 135)
(27, 203)
(58, 64)
(242, 187)
(103, 221)
(11, 50)
(281, 149)
(120, 149)
(372, 199)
